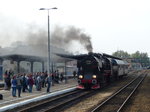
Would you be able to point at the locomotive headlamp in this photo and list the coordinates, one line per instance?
(80, 76)
(94, 76)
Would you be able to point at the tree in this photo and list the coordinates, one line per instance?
(136, 57)
(121, 54)
(141, 58)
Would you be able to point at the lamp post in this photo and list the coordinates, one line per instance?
(48, 65)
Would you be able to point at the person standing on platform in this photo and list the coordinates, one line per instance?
(42, 80)
(24, 83)
(61, 77)
(19, 84)
(49, 81)
(5, 80)
(38, 83)
(57, 76)
(53, 78)
(30, 82)
(74, 74)
(14, 86)
(9, 81)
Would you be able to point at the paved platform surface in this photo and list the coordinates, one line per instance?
(8, 99)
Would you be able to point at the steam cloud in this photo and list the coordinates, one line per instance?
(35, 41)
(63, 37)
(60, 38)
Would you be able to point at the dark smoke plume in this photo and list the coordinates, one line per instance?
(61, 40)
(63, 37)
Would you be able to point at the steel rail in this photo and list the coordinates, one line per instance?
(116, 93)
(59, 104)
(38, 104)
(68, 103)
(123, 104)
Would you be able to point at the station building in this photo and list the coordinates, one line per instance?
(31, 62)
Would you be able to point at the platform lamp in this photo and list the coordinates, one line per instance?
(48, 65)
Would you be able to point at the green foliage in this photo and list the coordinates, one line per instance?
(137, 57)
(141, 58)
(121, 54)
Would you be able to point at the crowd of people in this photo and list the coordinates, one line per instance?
(25, 82)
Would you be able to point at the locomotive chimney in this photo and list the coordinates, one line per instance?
(90, 53)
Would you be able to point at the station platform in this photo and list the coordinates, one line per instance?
(8, 99)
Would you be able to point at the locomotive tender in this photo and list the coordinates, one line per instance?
(96, 70)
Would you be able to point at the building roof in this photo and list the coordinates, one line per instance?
(20, 57)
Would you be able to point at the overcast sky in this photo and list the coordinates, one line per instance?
(112, 24)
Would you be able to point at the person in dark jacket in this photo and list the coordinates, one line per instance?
(61, 77)
(14, 86)
(24, 83)
(19, 84)
(38, 83)
(7, 81)
(30, 83)
(49, 81)
(74, 74)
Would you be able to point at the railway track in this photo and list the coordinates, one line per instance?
(117, 101)
(58, 103)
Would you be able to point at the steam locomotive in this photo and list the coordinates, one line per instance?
(96, 70)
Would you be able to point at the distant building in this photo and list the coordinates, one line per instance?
(134, 65)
